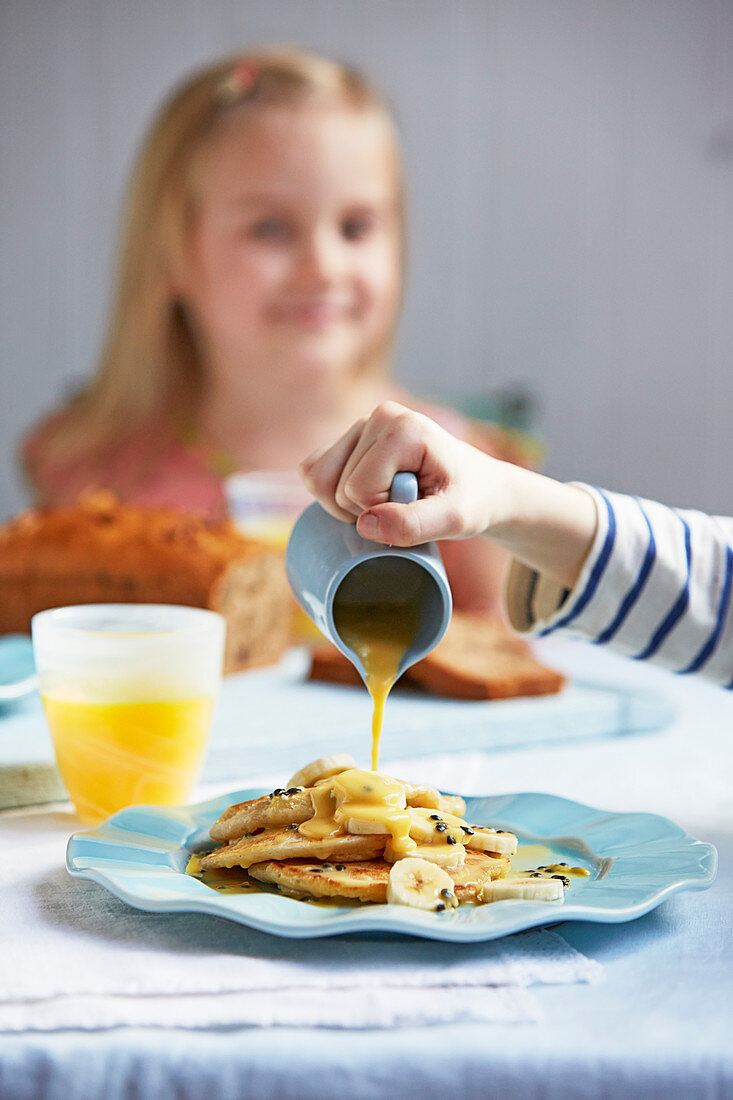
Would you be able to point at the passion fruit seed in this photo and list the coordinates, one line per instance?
(440, 907)
(340, 866)
(451, 840)
(293, 790)
(467, 830)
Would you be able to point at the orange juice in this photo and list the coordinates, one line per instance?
(264, 505)
(114, 754)
(274, 531)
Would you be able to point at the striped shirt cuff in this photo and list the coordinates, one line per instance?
(656, 586)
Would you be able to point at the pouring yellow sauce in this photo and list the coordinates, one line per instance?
(380, 634)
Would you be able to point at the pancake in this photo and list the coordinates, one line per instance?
(366, 880)
(271, 811)
(362, 880)
(478, 868)
(288, 843)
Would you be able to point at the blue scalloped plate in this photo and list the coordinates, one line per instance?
(635, 861)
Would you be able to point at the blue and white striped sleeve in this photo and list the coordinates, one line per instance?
(656, 586)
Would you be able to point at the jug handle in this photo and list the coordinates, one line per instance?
(403, 489)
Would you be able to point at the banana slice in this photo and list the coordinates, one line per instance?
(488, 840)
(452, 804)
(450, 857)
(530, 889)
(361, 827)
(420, 794)
(323, 768)
(429, 826)
(415, 882)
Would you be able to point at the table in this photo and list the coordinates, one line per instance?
(659, 1024)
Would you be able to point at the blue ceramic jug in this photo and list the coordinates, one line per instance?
(327, 560)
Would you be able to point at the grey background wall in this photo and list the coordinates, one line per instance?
(571, 214)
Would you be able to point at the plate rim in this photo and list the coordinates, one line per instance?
(507, 916)
(19, 686)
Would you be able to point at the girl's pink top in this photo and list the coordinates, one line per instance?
(171, 468)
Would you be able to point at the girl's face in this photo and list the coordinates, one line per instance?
(295, 249)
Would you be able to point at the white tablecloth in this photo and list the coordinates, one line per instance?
(75, 956)
(658, 1024)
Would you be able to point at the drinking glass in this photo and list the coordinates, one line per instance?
(264, 505)
(129, 693)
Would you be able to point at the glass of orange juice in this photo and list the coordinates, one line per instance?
(129, 693)
(264, 505)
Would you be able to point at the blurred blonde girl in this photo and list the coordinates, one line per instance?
(257, 299)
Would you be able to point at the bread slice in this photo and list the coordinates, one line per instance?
(329, 665)
(101, 551)
(477, 658)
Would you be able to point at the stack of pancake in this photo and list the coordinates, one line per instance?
(337, 832)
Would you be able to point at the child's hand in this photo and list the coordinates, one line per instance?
(544, 523)
(352, 478)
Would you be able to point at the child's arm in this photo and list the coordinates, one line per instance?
(543, 523)
(653, 582)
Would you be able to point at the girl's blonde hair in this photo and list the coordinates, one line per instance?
(148, 362)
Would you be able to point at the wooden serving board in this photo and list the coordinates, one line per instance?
(272, 719)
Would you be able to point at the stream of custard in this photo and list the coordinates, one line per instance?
(380, 634)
